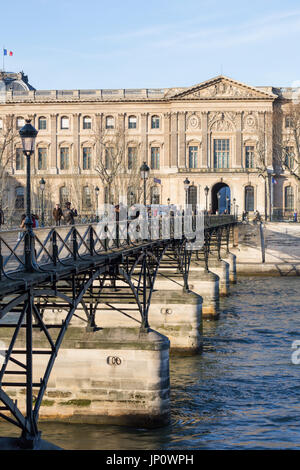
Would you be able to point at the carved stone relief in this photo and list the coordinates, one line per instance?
(194, 121)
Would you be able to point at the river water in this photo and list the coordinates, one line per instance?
(242, 392)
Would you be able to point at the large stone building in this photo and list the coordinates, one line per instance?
(218, 134)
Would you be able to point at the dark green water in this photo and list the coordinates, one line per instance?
(242, 392)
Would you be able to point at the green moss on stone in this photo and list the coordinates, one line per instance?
(76, 403)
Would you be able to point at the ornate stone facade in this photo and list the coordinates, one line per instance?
(212, 133)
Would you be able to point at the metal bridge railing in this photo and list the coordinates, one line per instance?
(66, 244)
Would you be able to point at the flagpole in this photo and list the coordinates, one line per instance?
(3, 59)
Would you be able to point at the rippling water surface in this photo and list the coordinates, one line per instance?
(242, 392)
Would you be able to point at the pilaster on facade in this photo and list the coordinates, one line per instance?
(238, 141)
(174, 140)
(144, 137)
(53, 149)
(181, 139)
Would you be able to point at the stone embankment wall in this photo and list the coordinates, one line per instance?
(281, 241)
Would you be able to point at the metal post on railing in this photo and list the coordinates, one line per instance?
(54, 248)
(75, 243)
(91, 240)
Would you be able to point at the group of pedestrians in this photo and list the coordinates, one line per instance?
(67, 214)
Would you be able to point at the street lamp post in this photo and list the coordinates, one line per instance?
(206, 189)
(28, 135)
(186, 184)
(42, 188)
(144, 170)
(97, 194)
(234, 201)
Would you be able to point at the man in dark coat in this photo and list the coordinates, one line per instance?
(57, 214)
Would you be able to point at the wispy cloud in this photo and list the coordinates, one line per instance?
(195, 34)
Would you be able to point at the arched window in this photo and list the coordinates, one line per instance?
(110, 122)
(155, 196)
(86, 197)
(42, 123)
(20, 122)
(63, 195)
(87, 122)
(249, 198)
(19, 202)
(155, 122)
(64, 122)
(289, 198)
(132, 122)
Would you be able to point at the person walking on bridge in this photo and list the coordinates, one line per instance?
(57, 214)
(69, 214)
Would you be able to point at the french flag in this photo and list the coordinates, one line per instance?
(7, 52)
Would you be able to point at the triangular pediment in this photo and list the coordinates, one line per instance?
(222, 88)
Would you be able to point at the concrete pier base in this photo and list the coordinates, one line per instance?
(221, 268)
(111, 376)
(230, 258)
(206, 284)
(177, 315)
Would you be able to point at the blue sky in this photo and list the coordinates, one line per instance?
(151, 44)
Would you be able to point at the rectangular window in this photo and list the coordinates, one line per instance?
(193, 157)
(86, 158)
(289, 157)
(64, 158)
(87, 198)
(221, 153)
(154, 158)
(155, 122)
(109, 153)
(42, 159)
(87, 123)
(249, 156)
(20, 122)
(132, 155)
(289, 121)
(19, 159)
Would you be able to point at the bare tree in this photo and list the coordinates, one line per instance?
(8, 137)
(118, 172)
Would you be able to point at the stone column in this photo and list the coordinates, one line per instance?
(174, 140)
(269, 138)
(181, 140)
(53, 148)
(204, 159)
(238, 142)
